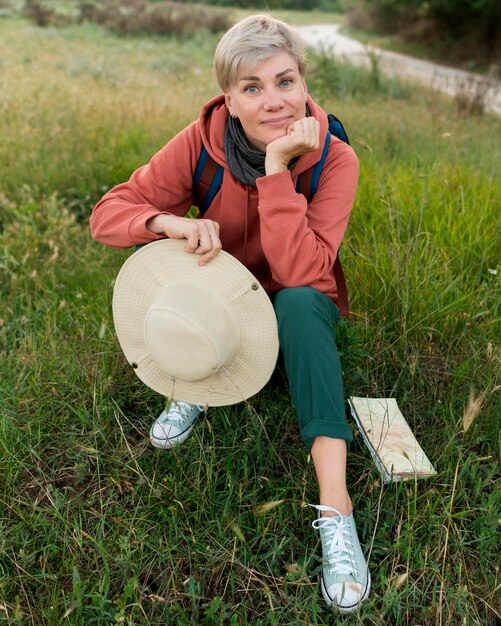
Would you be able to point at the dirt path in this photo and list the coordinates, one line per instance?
(445, 79)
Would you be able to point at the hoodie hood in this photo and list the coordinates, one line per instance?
(214, 116)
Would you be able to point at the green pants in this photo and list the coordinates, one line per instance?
(306, 329)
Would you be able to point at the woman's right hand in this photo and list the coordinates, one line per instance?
(202, 236)
(302, 136)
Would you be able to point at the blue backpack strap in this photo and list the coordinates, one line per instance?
(317, 170)
(207, 180)
(336, 128)
(307, 184)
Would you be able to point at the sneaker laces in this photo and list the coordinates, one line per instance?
(176, 412)
(337, 537)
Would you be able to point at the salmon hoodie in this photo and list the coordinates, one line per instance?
(280, 237)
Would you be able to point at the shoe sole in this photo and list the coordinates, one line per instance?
(352, 607)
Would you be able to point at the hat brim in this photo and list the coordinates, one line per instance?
(162, 262)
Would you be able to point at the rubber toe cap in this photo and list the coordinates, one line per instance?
(347, 595)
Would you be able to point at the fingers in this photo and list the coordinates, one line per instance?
(302, 136)
(202, 237)
(306, 133)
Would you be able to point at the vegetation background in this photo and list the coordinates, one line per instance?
(96, 527)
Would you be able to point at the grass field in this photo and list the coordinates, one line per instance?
(97, 527)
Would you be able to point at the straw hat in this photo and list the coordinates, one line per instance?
(200, 334)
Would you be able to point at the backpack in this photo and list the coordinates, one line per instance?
(208, 178)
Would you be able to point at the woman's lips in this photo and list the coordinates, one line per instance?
(278, 121)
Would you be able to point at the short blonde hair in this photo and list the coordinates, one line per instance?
(251, 41)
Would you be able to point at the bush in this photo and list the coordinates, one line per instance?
(128, 17)
(463, 28)
(272, 5)
(7, 8)
(328, 77)
(39, 12)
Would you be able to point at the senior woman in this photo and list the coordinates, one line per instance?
(265, 130)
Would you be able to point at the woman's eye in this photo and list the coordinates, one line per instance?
(287, 82)
(251, 89)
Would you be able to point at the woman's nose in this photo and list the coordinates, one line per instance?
(273, 100)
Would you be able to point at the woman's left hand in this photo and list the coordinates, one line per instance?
(302, 136)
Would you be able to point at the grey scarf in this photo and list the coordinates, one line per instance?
(245, 162)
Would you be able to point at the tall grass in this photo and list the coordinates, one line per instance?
(100, 110)
(96, 527)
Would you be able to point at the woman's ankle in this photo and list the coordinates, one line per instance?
(340, 502)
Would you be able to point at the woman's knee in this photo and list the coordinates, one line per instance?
(302, 303)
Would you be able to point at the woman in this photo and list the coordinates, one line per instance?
(265, 130)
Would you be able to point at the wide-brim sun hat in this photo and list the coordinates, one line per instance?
(201, 334)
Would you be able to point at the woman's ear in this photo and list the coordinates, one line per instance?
(227, 101)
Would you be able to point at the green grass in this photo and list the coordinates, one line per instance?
(97, 527)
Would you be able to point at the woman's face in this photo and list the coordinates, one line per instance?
(268, 98)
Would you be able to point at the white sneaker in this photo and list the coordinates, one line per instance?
(173, 426)
(346, 580)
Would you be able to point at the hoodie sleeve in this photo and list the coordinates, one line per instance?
(164, 185)
(301, 240)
